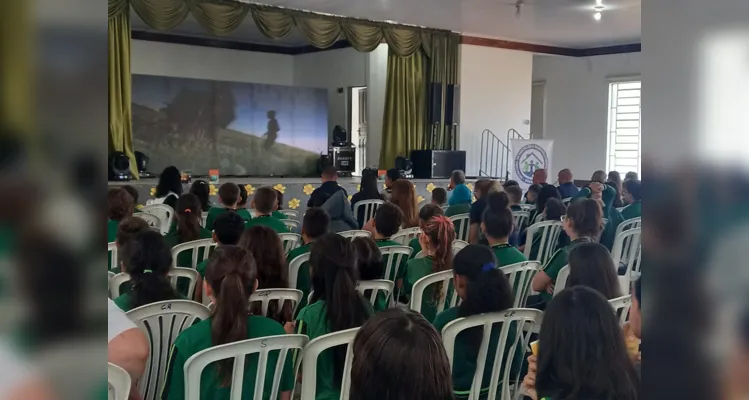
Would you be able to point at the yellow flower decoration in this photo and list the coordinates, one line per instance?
(213, 190)
(153, 191)
(384, 186)
(250, 189)
(281, 188)
(308, 189)
(470, 186)
(349, 197)
(293, 203)
(420, 199)
(473, 199)
(358, 187)
(430, 187)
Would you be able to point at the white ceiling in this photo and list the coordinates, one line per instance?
(564, 23)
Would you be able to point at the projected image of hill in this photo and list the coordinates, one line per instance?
(240, 128)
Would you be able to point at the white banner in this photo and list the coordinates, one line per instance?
(528, 156)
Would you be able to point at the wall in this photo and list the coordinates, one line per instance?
(577, 106)
(495, 94)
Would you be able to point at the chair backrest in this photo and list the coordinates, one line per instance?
(527, 207)
(266, 296)
(206, 245)
(566, 201)
(112, 252)
(293, 214)
(312, 352)
(290, 241)
(374, 287)
(174, 274)
(163, 211)
(538, 218)
(203, 219)
(628, 224)
(459, 245)
(110, 275)
(517, 322)
(627, 251)
(520, 218)
(370, 207)
(461, 223)
(417, 292)
(404, 236)
(355, 233)
(291, 224)
(153, 221)
(621, 307)
(520, 276)
(239, 351)
(294, 266)
(162, 322)
(549, 238)
(119, 382)
(561, 281)
(394, 256)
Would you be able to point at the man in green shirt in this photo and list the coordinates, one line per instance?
(228, 196)
(316, 223)
(387, 222)
(264, 204)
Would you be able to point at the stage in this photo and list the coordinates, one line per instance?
(295, 191)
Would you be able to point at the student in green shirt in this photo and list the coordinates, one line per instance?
(436, 240)
(439, 197)
(425, 214)
(316, 222)
(227, 230)
(127, 228)
(335, 306)
(229, 280)
(591, 265)
(483, 288)
(188, 215)
(582, 224)
(264, 204)
(133, 192)
(515, 193)
(147, 259)
(228, 196)
(398, 355)
(598, 188)
(547, 192)
(497, 225)
(553, 211)
(202, 189)
(279, 206)
(386, 223)
(632, 191)
(369, 265)
(119, 206)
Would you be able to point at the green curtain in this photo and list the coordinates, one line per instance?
(219, 18)
(161, 14)
(275, 24)
(320, 32)
(405, 107)
(16, 114)
(120, 124)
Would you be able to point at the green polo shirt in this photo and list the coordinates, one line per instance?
(415, 245)
(402, 268)
(312, 322)
(466, 353)
(507, 254)
(303, 279)
(557, 262)
(608, 195)
(416, 269)
(463, 208)
(633, 210)
(214, 212)
(112, 226)
(198, 338)
(269, 221)
(279, 215)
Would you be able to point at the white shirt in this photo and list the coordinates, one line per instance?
(118, 322)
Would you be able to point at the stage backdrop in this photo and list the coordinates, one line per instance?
(239, 128)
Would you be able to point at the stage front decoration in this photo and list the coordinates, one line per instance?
(281, 188)
(430, 187)
(294, 203)
(250, 189)
(308, 189)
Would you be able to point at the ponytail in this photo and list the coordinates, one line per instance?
(231, 275)
(147, 259)
(441, 234)
(497, 218)
(189, 215)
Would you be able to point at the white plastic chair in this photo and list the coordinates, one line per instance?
(394, 256)
(628, 224)
(461, 223)
(281, 296)
(561, 281)
(527, 207)
(550, 231)
(374, 287)
(110, 275)
(521, 321)
(520, 276)
(204, 219)
(458, 245)
(206, 245)
(164, 212)
(291, 224)
(370, 207)
(312, 352)
(621, 307)
(290, 214)
(162, 322)
(119, 382)
(417, 292)
(239, 351)
(404, 236)
(290, 241)
(520, 218)
(174, 274)
(566, 201)
(627, 250)
(153, 221)
(355, 233)
(294, 266)
(112, 252)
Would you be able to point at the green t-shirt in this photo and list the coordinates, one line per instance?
(507, 255)
(401, 269)
(214, 212)
(608, 195)
(112, 226)
(463, 208)
(633, 210)
(201, 267)
(415, 245)
(466, 354)
(184, 259)
(269, 221)
(312, 322)
(303, 279)
(198, 338)
(415, 270)
(124, 301)
(279, 215)
(557, 262)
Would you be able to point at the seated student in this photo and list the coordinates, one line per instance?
(482, 189)
(483, 288)
(630, 176)
(591, 265)
(272, 271)
(315, 224)
(425, 214)
(169, 187)
(133, 192)
(460, 199)
(582, 224)
(119, 206)
(547, 192)
(370, 266)
(399, 356)
(128, 228)
(279, 203)
(335, 306)
(598, 189)
(202, 189)
(532, 193)
(515, 193)
(632, 191)
(614, 180)
(188, 215)
(229, 282)
(404, 196)
(391, 176)
(327, 189)
(439, 197)
(264, 204)
(581, 351)
(567, 186)
(509, 183)
(147, 259)
(497, 225)
(553, 211)
(242, 204)
(227, 230)
(386, 223)
(228, 196)
(436, 242)
(368, 190)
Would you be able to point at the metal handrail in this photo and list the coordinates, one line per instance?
(495, 154)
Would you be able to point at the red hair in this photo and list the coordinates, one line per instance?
(441, 233)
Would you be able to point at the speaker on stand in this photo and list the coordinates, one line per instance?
(435, 114)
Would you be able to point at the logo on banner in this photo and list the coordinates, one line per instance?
(528, 159)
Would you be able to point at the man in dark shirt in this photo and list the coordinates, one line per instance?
(328, 188)
(566, 187)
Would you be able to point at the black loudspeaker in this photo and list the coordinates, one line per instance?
(435, 103)
(437, 164)
(449, 105)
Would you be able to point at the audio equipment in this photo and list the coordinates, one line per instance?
(437, 164)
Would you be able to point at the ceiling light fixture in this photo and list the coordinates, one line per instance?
(599, 2)
(597, 16)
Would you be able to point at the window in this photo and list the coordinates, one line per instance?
(624, 148)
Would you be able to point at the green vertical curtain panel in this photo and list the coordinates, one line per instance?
(405, 107)
(16, 83)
